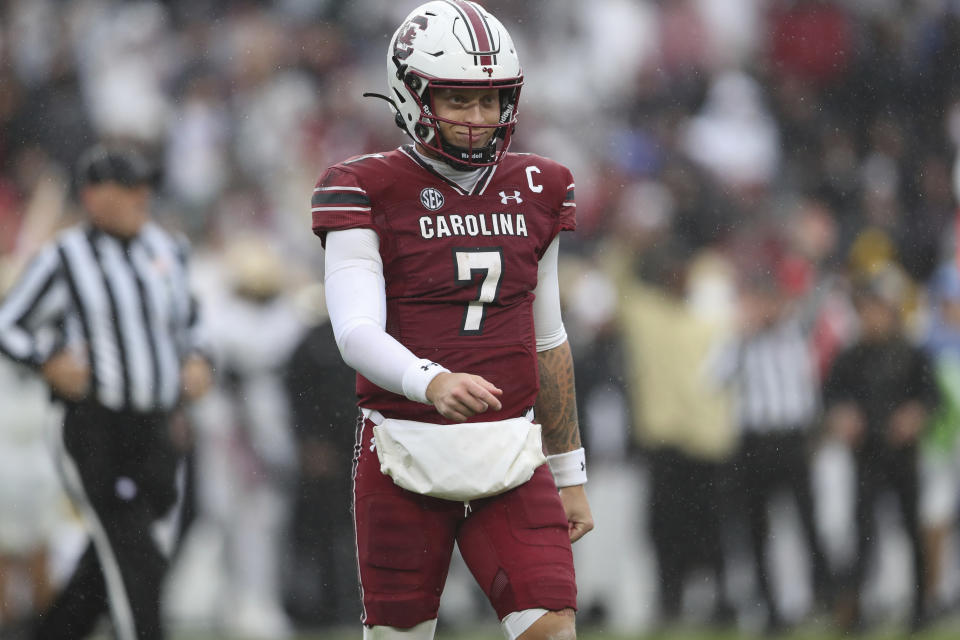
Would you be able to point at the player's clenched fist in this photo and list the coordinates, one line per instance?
(458, 396)
(579, 517)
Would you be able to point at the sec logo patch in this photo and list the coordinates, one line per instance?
(431, 198)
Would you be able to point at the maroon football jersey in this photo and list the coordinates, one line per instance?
(460, 268)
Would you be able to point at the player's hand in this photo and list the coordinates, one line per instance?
(579, 518)
(196, 377)
(67, 375)
(458, 396)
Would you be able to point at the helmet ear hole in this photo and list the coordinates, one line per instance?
(412, 81)
(398, 118)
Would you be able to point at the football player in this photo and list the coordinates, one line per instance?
(441, 282)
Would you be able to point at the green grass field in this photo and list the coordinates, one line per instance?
(494, 634)
(949, 630)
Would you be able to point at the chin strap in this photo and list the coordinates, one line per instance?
(479, 156)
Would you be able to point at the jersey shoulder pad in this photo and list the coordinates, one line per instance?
(342, 197)
(347, 193)
(339, 202)
(554, 180)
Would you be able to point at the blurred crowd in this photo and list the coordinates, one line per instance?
(767, 213)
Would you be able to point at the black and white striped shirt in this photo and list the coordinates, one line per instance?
(774, 378)
(123, 303)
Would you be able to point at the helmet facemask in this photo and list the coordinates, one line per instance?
(427, 130)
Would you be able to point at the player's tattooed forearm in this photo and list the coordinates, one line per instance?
(556, 406)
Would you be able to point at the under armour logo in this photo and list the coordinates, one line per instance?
(516, 196)
(373, 444)
(426, 367)
(583, 466)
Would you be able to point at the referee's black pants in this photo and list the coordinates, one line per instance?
(120, 471)
(767, 463)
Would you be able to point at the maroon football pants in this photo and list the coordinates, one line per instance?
(516, 545)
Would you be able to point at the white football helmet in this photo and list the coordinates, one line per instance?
(453, 44)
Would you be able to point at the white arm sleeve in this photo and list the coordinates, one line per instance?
(546, 305)
(357, 303)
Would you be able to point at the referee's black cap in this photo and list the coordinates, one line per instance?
(122, 165)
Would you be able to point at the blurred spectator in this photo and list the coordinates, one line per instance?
(246, 449)
(734, 136)
(794, 28)
(940, 444)
(33, 507)
(925, 236)
(322, 574)
(878, 397)
(809, 275)
(127, 55)
(609, 586)
(31, 502)
(197, 148)
(680, 423)
(45, 85)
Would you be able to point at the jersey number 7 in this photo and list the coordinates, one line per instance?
(468, 263)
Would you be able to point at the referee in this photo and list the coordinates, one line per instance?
(104, 314)
(777, 393)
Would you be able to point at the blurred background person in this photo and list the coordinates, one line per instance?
(32, 504)
(35, 514)
(940, 443)
(681, 425)
(878, 397)
(105, 316)
(246, 451)
(770, 368)
(612, 591)
(321, 573)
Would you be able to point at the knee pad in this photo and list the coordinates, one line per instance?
(514, 624)
(423, 631)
